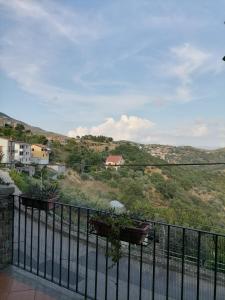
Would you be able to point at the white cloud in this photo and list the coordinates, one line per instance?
(57, 19)
(189, 60)
(186, 63)
(200, 130)
(132, 128)
(126, 128)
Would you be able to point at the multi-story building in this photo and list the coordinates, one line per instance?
(40, 154)
(22, 152)
(7, 149)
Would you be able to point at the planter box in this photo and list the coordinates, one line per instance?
(37, 203)
(133, 235)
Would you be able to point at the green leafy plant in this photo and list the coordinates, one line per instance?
(44, 192)
(115, 223)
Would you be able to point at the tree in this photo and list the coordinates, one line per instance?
(20, 127)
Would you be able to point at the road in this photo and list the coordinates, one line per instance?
(105, 280)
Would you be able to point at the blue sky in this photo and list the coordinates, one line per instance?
(143, 70)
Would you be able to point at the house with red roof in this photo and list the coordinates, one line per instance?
(114, 160)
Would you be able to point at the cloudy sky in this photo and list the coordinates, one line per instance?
(143, 70)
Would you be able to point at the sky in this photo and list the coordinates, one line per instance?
(141, 70)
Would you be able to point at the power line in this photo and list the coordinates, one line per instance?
(82, 164)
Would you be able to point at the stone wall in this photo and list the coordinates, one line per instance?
(6, 225)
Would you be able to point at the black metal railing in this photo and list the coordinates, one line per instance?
(55, 241)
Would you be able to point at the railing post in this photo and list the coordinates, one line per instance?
(6, 225)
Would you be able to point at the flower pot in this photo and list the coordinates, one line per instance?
(133, 235)
(37, 203)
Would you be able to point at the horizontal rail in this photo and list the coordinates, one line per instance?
(57, 245)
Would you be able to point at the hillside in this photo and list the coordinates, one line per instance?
(7, 120)
(190, 196)
(186, 154)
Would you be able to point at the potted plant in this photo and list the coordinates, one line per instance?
(41, 197)
(119, 228)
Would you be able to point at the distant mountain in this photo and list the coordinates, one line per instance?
(5, 119)
(186, 154)
(172, 154)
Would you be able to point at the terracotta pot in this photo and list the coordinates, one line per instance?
(37, 203)
(134, 235)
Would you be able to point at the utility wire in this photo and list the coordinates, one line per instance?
(126, 165)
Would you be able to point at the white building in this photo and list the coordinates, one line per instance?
(7, 149)
(22, 152)
(59, 168)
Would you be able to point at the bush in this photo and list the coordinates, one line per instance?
(22, 181)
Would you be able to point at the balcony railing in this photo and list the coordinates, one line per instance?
(172, 263)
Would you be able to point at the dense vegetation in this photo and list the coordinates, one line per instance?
(19, 133)
(190, 196)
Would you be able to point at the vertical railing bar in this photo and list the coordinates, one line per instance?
(140, 279)
(46, 235)
(69, 245)
(86, 262)
(117, 279)
(106, 268)
(25, 239)
(53, 241)
(78, 248)
(153, 263)
(215, 266)
(18, 260)
(128, 274)
(168, 262)
(13, 215)
(60, 247)
(198, 264)
(38, 245)
(96, 267)
(31, 236)
(182, 266)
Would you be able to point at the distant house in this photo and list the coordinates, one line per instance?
(114, 160)
(22, 152)
(59, 168)
(40, 154)
(7, 149)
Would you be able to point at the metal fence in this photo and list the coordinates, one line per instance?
(172, 263)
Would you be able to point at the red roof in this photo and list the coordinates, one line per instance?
(114, 159)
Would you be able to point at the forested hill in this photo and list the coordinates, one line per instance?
(186, 154)
(190, 196)
(7, 121)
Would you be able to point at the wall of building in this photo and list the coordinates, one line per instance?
(7, 148)
(6, 223)
(22, 153)
(60, 169)
(39, 155)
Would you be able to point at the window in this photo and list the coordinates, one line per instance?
(32, 149)
(21, 153)
(21, 146)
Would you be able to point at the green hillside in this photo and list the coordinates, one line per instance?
(192, 196)
(186, 154)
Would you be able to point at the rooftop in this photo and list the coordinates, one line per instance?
(114, 159)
